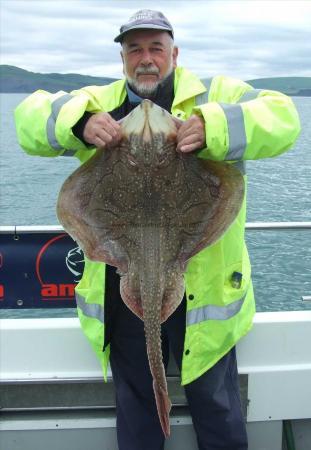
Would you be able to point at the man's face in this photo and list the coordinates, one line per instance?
(148, 57)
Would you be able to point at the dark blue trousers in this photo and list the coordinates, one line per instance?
(213, 398)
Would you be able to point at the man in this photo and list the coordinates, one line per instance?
(227, 120)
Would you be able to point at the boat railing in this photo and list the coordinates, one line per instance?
(278, 226)
(16, 229)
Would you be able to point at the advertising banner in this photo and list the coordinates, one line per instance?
(39, 270)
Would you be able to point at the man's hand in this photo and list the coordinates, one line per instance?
(191, 135)
(102, 130)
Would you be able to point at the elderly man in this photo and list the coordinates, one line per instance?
(224, 120)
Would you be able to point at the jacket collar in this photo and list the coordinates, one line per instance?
(186, 85)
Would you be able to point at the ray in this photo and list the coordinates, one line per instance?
(147, 209)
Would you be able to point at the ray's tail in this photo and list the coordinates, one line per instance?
(164, 407)
(154, 350)
(152, 285)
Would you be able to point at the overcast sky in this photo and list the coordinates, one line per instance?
(245, 39)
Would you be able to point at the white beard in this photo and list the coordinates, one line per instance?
(147, 89)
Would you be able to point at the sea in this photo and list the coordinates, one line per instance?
(279, 190)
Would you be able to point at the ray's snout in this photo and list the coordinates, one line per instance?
(149, 120)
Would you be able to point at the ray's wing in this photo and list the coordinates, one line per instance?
(93, 204)
(217, 192)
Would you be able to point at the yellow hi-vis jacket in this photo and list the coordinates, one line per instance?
(241, 123)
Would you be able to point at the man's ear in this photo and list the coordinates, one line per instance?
(175, 56)
(122, 57)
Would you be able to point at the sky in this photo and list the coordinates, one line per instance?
(245, 39)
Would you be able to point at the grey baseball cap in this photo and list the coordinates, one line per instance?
(145, 19)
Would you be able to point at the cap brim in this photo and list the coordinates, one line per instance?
(120, 37)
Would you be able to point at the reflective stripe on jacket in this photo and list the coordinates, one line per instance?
(241, 123)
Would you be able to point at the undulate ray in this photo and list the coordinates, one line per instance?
(147, 209)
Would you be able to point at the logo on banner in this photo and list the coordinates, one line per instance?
(75, 262)
(1, 285)
(52, 264)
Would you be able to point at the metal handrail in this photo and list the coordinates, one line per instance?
(278, 225)
(248, 226)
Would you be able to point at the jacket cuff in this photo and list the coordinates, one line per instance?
(78, 128)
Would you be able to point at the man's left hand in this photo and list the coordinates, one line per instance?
(191, 135)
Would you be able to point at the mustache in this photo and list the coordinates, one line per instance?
(147, 71)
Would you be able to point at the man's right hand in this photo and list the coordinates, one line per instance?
(102, 130)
